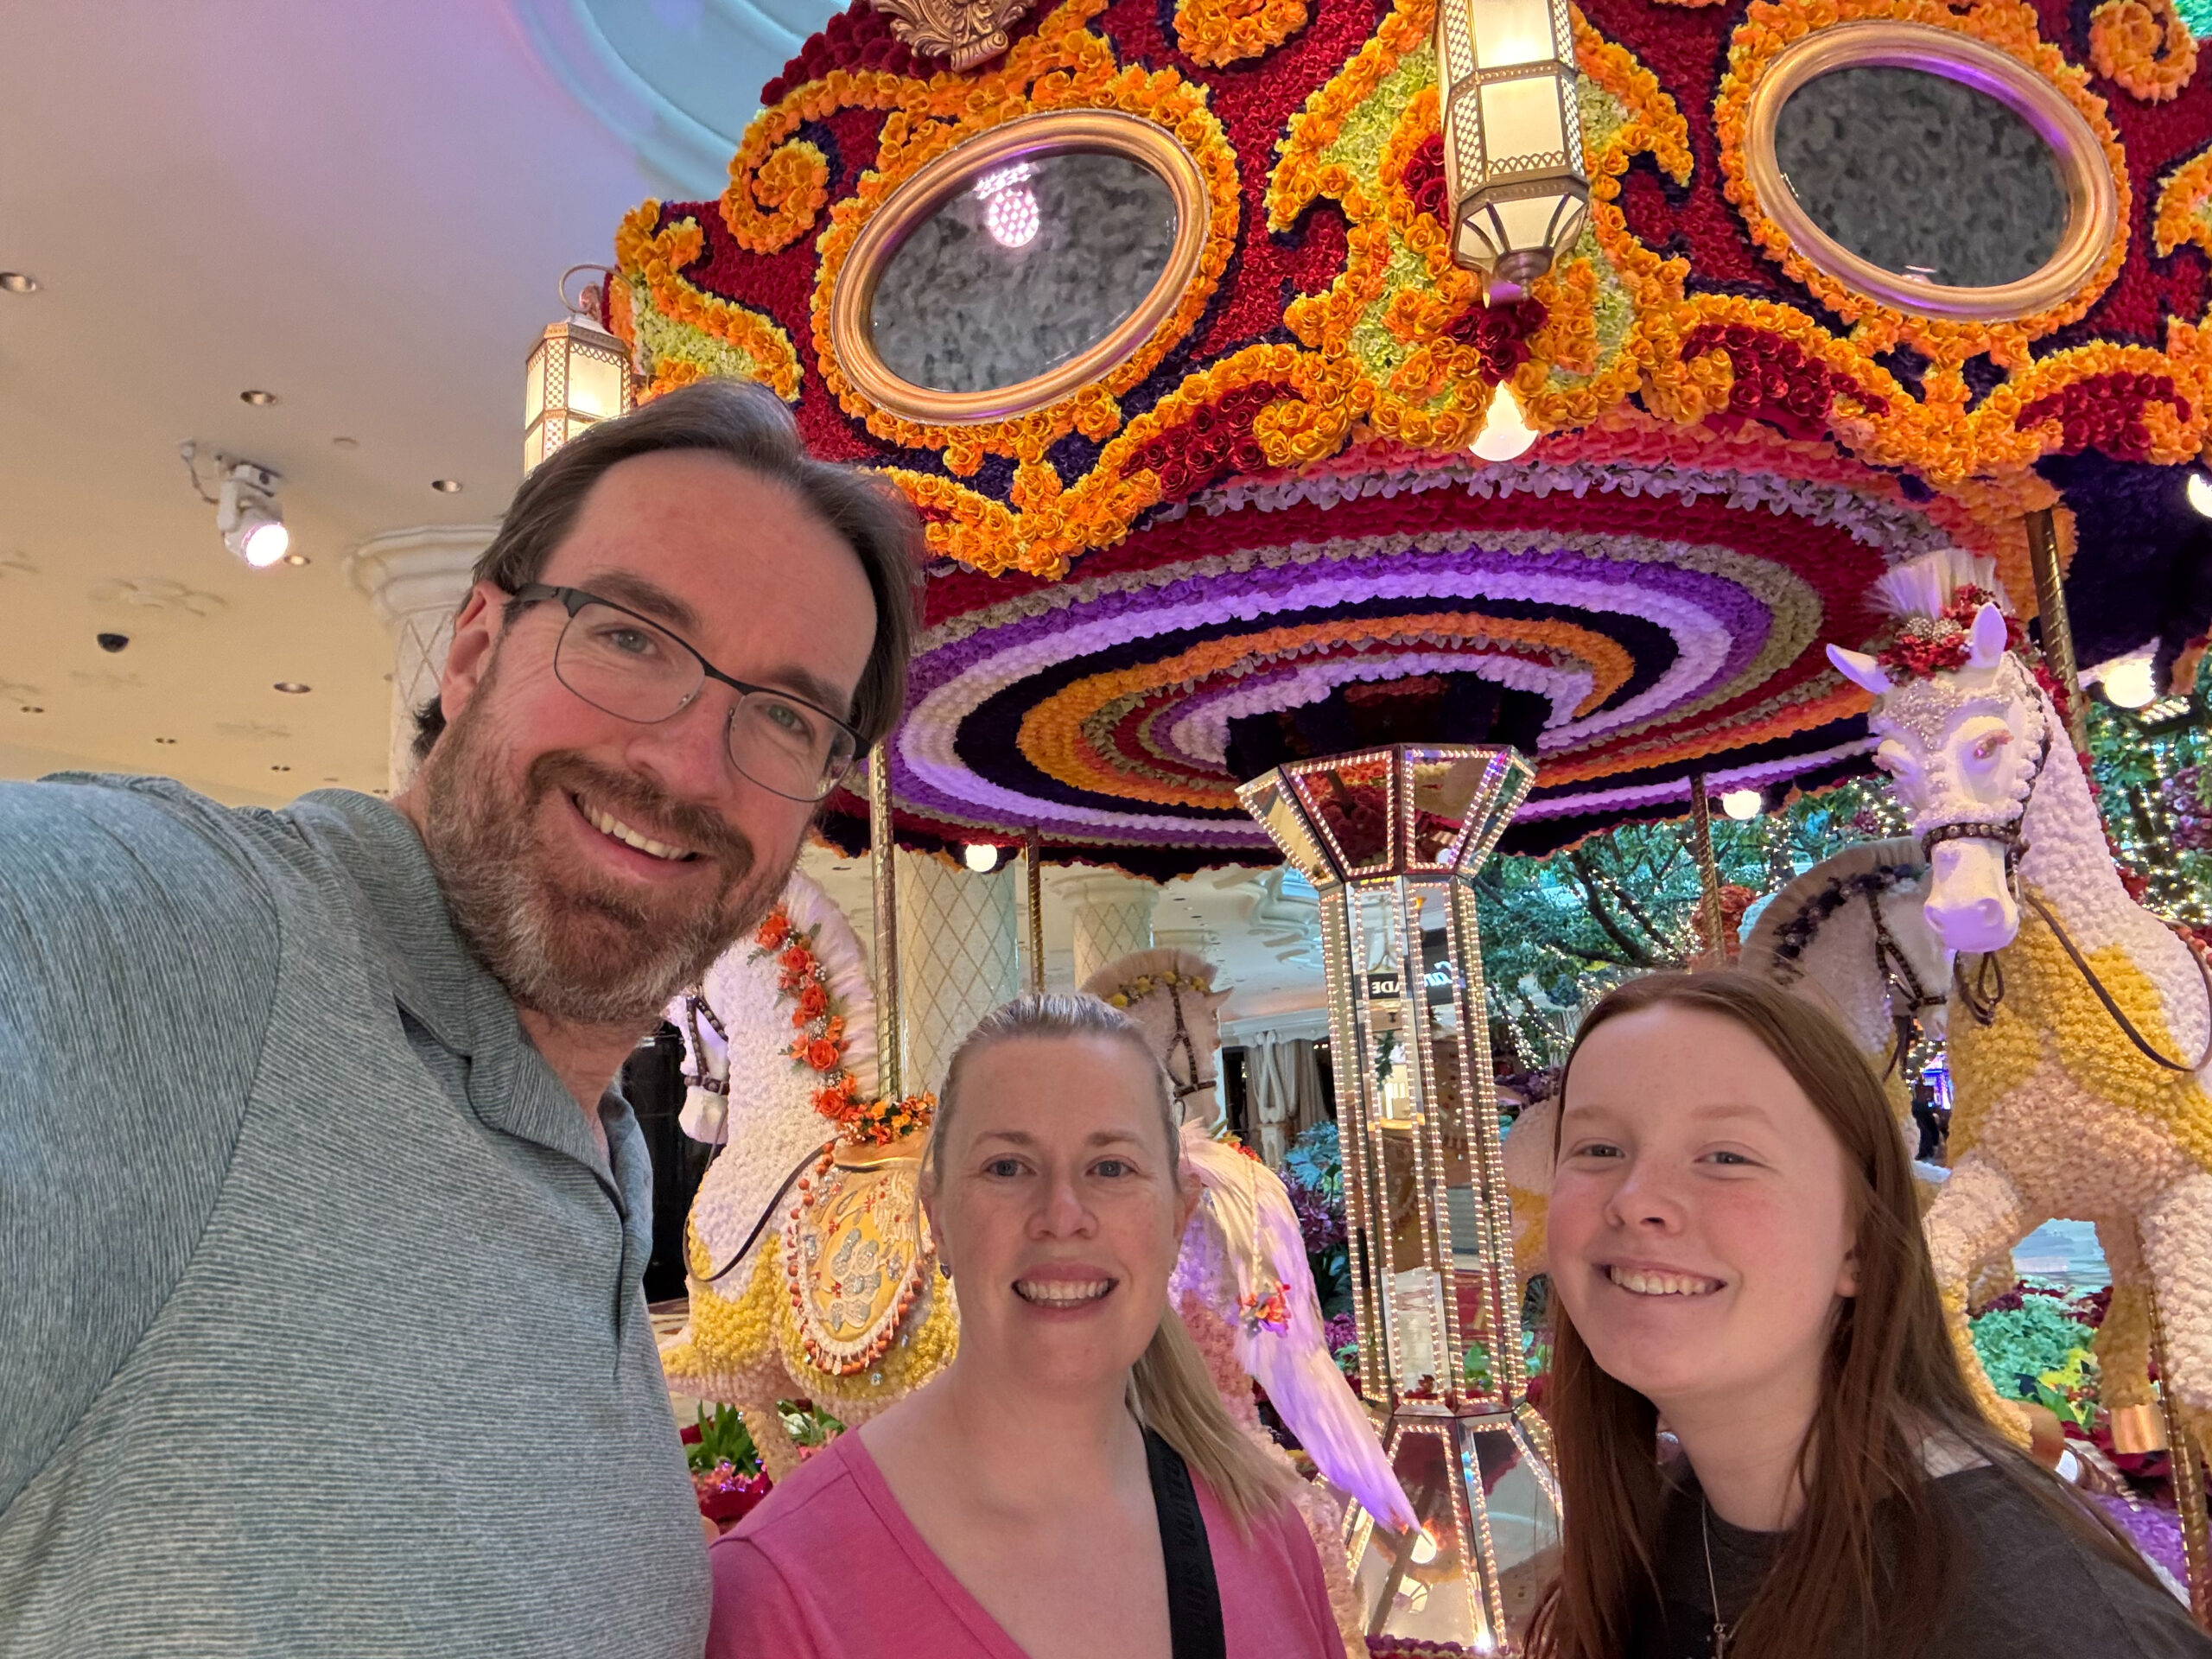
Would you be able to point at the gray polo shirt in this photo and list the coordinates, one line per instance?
(322, 1329)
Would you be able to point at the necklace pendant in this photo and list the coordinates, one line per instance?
(1722, 1635)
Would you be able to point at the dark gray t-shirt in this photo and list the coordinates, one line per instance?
(320, 1322)
(2025, 1586)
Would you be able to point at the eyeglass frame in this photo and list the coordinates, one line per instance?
(572, 600)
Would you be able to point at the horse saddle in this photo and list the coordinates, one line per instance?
(855, 1252)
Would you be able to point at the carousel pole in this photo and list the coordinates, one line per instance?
(1032, 850)
(2188, 1478)
(1708, 874)
(884, 884)
(2057, 632)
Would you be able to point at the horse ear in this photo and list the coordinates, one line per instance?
(1860, 670)
(1215, 999)
(1989, 638)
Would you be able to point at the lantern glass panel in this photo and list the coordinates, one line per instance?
(533, 396)
(1279, 818)
(1349, 802)
(1510, 32)
(1522, 122)
(596, 387)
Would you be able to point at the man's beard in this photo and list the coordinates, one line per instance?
(565, 944)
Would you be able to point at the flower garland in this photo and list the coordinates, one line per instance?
(1926, 646)
(1219, 32)
(820, 1044)
(2144, 47)
(682, 325)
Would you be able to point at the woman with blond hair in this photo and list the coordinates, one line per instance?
(1736, 1252)
(1070, 1484)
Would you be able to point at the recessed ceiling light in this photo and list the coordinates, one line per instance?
(292, 688)
(297, 559)
(345, 443)
(33, 708)
(165, 740)
(257, 397)
(446, 486)
(18, 282)
(280, 767)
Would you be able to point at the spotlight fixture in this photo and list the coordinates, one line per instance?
(257, 397)
(980, 857)
(18, 282)
(1742, 805)
(1505, 435)
(297, 558)
(2200, 492)
(1010, 211)
(112, 643)
(292, 688)
(446, 486)
(247, 514)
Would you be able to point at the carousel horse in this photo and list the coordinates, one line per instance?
(809, 1272)
(2080, 1024)
(1848, 935)
(1243, 1283)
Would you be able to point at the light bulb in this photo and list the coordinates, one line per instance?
(1012, 218)
(2200, 493)
(980, 857)
(263, 543)
(1423, 1550)
(1741, 804)
(1505, 435)
(2129, 683)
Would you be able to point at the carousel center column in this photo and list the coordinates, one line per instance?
(958, 958)
(1391, 839)
(1113, 916)
(416, 580)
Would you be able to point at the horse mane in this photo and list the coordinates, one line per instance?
(1140, 964)
(1794, 914)
(1925, 586)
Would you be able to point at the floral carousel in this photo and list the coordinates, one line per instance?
(1379, 437)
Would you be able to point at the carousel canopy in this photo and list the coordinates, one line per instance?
(1153, 309)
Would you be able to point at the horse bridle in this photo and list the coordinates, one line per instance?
(1909, 998)
(1181, 1039)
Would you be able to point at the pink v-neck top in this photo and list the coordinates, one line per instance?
(830, 1567)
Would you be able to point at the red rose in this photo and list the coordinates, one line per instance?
(797, 960)
(821, 1054)
(814, 1001)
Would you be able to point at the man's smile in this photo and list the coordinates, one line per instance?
(608, 824)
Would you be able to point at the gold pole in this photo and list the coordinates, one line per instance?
(2189, 1477)
(1708, 874)
(884, 880)
(1032, 862)
(2050, 611)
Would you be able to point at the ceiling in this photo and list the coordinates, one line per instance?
(364, 209)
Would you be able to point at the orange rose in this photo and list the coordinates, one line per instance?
(821, 1054)
(814, 1001)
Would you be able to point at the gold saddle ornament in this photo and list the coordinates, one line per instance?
(856, 1252)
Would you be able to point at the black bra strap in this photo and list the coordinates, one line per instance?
(1193, 1597)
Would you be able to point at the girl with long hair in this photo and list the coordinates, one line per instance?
(1736, 1258)
(1070, 1484)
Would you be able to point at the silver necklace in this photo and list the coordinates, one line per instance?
(1721, 1634)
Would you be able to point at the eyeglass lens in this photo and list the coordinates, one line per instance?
(628, 667)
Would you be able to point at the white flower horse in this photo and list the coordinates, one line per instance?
(2080, 1026)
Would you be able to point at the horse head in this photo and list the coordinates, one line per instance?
(1170, 995)
(1963, 732)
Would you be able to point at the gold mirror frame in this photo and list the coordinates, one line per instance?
(1050, 133)
(2091, 201)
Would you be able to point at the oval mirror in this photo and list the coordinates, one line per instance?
(1929, 171)
(1925, 177)
(1026, 269)
(1024, 264)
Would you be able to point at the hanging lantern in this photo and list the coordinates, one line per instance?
(1391, 839)
(578, 374)
(1512, 138)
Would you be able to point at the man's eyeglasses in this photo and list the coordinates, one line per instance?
(632, 667)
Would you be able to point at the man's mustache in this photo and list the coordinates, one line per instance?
(642, 806)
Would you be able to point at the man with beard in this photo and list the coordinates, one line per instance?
(321, 1328)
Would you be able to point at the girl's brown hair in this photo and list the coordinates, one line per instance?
(1893, 1380)
(1169, 1389)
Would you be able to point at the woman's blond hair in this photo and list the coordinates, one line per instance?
(1169, 1389)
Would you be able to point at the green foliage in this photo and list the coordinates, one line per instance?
(2038, 1339)
(1561, 930)
(723, 1438)
(2133, 761)
(1315, 1161)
